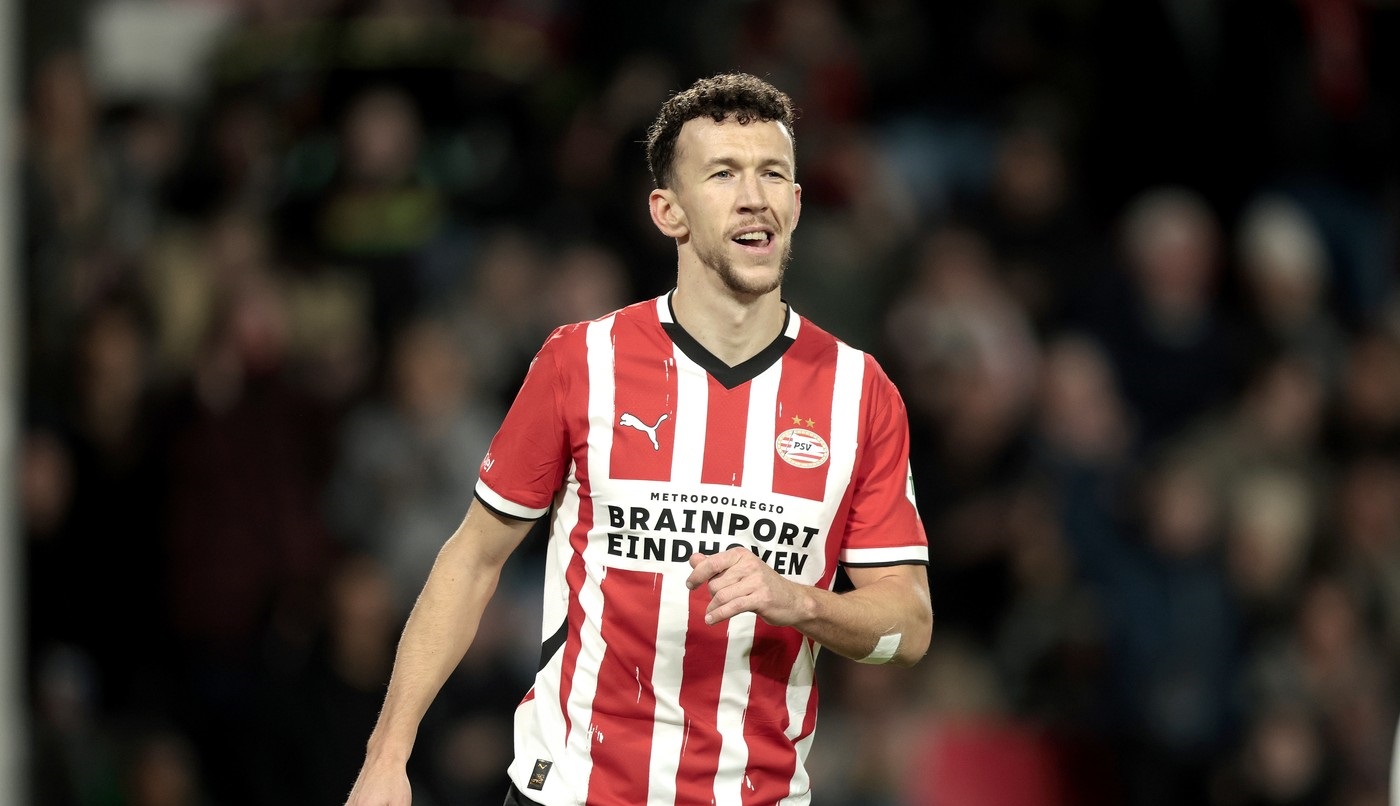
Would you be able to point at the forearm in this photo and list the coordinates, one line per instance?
(889, 614)
(890, 603)
(437, 634)
(441, 627)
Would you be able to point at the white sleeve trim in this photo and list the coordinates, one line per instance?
(495, 501)
(884, 650)
(893, 555)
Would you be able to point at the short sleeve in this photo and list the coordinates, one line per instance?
(883, 526)
(528, 457)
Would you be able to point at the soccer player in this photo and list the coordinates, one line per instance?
(707, 461)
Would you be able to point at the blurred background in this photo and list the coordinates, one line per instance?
(1133, 266)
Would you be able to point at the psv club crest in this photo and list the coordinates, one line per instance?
(802, 447)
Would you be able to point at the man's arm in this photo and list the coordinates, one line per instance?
(887, 618)
(438, 632)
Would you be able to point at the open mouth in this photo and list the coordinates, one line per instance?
(758, 239)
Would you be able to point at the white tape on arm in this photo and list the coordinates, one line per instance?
(884, 649)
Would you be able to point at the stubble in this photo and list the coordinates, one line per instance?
(718, 262)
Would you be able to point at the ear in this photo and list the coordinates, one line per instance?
(666, 213)
(797, 205)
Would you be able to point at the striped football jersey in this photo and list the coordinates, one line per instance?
(641, 447)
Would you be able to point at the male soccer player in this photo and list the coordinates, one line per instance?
(707, 461)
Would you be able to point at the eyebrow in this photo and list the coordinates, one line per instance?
(733, 162)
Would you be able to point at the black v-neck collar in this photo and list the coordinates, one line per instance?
(729, 377)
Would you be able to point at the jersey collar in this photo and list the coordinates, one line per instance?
(729, 377)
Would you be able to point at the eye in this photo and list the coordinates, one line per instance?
(722, 174)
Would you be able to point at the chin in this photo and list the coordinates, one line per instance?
(752, 279)
(753, 283)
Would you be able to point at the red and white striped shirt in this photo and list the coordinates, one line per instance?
(643, 447)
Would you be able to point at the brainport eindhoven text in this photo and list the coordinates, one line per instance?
(778, 543)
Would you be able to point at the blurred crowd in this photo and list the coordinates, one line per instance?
(1132, 265)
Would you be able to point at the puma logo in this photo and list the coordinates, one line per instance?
(631, 421)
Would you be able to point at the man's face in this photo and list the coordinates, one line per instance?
(737, 200)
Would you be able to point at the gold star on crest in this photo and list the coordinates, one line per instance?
(811, 422)
(796, 420)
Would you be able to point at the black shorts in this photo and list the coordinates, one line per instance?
(514, 797)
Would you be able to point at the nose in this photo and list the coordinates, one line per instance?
(752, 198)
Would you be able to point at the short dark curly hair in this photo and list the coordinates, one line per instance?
(740, 96)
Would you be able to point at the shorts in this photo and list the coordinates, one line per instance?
(514, 797)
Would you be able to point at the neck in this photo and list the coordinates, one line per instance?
(734, 327)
